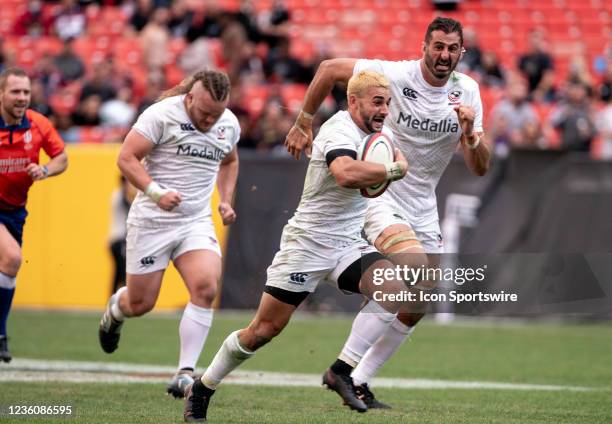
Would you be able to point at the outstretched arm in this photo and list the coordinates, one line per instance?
(329, 72)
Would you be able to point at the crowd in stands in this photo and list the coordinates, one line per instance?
(96, 90)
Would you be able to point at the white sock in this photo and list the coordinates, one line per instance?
(381, 351)
(193, 330)
(7, 282)
(369, 324)
(116, 311)
(228, 358)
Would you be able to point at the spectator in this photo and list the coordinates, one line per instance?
(280, 66)
(33, 22)
(242, 62)
(573, 118)
(154, 39)
(514, 122)
(272, 127)
(140, 17)
(579, 71)
(38, 100)
(180, 19)
(536, 64)
(88, 112)
(100, 83)
(70, 21)
(490, 71)
(118, 112)
(604, 127)
(210, 24)
(46, 72)
(66, 129)
(472, 57)
(6, 57)
(247, 18)
(154, 87)
(605, 89)
(273, 25)
(68, 63)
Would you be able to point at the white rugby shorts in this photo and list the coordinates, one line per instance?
(383, 212)
(151, 249)
(305, 260)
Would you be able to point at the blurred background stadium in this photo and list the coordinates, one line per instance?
(545, 74)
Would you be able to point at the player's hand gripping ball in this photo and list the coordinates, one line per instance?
(377, 148)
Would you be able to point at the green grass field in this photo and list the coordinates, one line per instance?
(538, 353)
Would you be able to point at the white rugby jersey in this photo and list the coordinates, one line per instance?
(426, 129)
(184, 159)
(326, 209)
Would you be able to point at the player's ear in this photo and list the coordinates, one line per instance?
(462, 53)
(423, 46)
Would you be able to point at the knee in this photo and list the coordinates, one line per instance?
(140, 307)
(204, 293)
(10, 262)
(409, 319)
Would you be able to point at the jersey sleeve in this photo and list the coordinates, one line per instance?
(149, 125)
(338, 140)
(477, 105)
(52, 142)
(375, 65)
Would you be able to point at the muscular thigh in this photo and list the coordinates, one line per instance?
(199, 268)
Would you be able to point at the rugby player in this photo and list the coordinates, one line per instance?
(435, 109)
(322, 241)
(188, 142)
(23, 133)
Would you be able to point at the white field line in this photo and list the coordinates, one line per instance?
(20, 370)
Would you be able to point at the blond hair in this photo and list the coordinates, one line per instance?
(363, 80)
(215, 82)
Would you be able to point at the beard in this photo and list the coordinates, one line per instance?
(11, 110)
(439, 73)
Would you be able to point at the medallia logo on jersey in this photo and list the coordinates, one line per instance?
(221, 133)
(454, 97)
(409, 93)
(205, 152)
(27, 139)
(443, 125)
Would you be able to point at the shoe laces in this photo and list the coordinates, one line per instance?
(365, 393)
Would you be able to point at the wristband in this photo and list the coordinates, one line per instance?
(154, 191)
(45, 171)
(394, 171)
(475, 144)
(306, 115)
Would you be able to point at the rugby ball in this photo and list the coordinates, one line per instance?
(377, 148)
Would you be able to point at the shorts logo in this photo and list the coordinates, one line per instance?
(398, 216)
(440, 240)
(212, 240)
(297, 278)
(410, 93)
(147, 261)
(187, 127)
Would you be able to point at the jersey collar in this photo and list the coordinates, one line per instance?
(23, 125)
